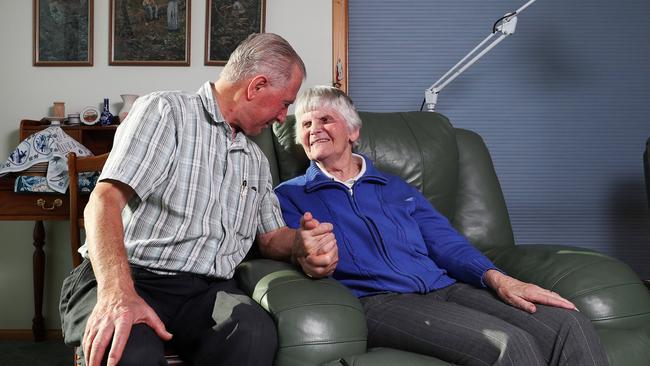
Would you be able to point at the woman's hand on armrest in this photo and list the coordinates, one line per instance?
(523, 295)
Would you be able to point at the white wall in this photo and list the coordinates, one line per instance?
(27, 92)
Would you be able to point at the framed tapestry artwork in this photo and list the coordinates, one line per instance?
(149, 32)
(228, 23)
(63, 33)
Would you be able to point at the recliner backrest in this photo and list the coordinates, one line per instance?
(451, 167)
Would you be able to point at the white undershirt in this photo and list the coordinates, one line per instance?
(350, 182)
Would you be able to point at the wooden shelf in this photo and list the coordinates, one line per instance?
(98, 139)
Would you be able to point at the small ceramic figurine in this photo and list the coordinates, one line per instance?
(106, 117)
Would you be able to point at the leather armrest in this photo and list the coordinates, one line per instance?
(318, 320)
(604, 289)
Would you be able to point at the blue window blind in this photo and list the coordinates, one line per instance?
(562, 104)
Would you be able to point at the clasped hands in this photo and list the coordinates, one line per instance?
(315, 248)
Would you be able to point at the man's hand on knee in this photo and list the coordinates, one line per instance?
(110, 324)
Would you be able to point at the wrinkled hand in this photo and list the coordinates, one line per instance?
(110, 324)
(524, 295)
(315, 247)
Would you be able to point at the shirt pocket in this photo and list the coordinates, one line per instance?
(247, 212)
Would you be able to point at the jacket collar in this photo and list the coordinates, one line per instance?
(316, 179)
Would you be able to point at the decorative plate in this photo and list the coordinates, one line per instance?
(89, 115)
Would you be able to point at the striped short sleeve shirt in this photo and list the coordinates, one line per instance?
(201, 196)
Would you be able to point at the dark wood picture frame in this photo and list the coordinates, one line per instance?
(63, 33)
(149, 32)
(227, 23)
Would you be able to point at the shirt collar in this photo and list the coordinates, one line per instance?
(316, 178)
(210, 102)
(212, 108)
(350, 181)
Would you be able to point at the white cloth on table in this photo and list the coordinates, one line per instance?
(51, 146)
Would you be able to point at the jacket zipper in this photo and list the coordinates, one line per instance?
(379, 242)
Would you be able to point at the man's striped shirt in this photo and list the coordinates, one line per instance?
(201, 196)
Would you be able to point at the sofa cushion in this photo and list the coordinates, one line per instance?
(265, 141)
(292, 160)
(481, 213)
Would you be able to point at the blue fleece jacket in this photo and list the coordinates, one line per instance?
(390, 238)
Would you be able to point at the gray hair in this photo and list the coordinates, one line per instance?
(263, 53)
(323, 96)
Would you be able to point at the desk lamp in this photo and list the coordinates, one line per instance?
(502, 28)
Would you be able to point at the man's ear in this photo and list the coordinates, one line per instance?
(256, 84)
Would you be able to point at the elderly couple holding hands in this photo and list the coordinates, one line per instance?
(185, 194)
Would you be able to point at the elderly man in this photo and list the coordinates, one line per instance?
(180, 201)
(422, 285)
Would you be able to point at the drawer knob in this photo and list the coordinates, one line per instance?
(41, 203)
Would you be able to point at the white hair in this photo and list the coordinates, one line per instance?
(263, 53)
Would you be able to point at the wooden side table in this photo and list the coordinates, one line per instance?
(40, 207)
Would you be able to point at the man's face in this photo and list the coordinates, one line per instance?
(325, 136)
(270, 104)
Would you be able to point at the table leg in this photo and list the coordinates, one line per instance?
(38, 323)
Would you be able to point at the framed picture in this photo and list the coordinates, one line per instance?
(63, 33)
(149, 32)
(228, 23)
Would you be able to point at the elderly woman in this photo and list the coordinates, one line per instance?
(423, 286)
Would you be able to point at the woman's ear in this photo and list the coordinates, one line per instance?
(257, 84)
(354, 136)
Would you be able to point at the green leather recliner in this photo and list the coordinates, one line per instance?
(320, 322)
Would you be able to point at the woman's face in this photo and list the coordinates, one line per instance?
(325, 136)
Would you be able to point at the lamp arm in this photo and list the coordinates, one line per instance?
(523, 7)
(441, 83)
(506, 26)
(431, 94)
(473, 60)
(463, 64)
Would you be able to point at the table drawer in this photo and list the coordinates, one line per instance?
(14, 206)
